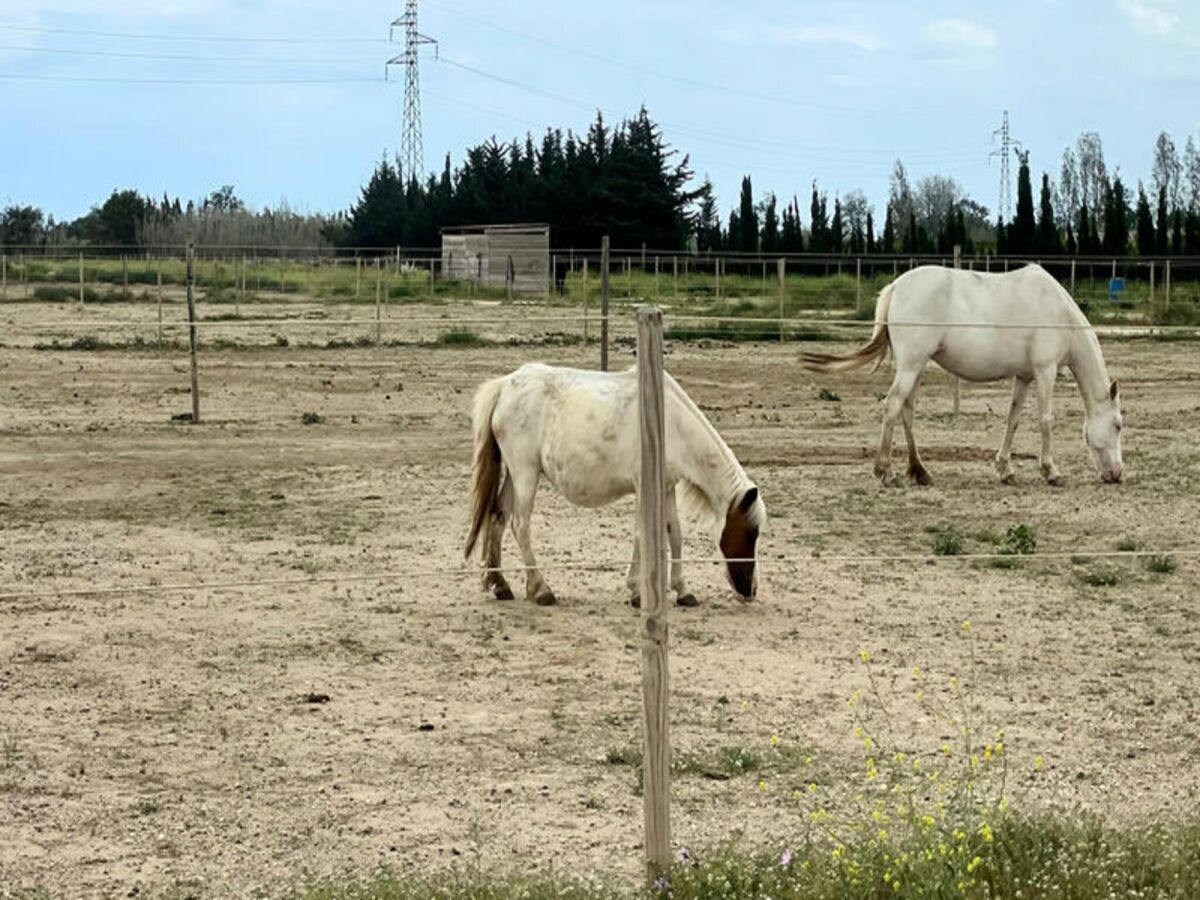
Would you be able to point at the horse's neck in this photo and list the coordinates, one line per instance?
(705, 460)
(1087, 365)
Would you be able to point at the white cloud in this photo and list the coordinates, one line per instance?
(958, 34)
(788, 35)
(1150, 18)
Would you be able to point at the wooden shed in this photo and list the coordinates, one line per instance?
(486, 253)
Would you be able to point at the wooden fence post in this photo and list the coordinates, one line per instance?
(717, 275)
(857, 284)
(585, 302)
(81, 279)
(955, 383)
(781, 265)
(432, 288)
(1167, 285)
(675, 277)
(656, 758)
(628, 277)
(604, 246)
(357, 276)
(643, 256)
(124, 277)
(378, 301)
(191, 311)
(656, 294)
(1072, 276)
(3, 276)
(553, 277)
(1152, 284)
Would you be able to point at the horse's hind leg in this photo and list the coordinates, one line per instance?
(1044, 380)
(902, 386)
(1004, 456)
(493, 578)
(524, 491)
(916, 471)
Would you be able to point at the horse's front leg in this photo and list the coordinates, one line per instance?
(524, 491)
(1004, 456)
(683, 597)
(1044, 379)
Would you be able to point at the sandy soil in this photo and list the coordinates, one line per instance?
(171, 738)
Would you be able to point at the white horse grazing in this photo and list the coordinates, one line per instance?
(580, 429)
(1027, 326)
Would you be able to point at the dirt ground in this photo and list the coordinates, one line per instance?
(227, 741)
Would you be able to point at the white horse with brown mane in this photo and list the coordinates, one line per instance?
(580, 430)
(982, 327)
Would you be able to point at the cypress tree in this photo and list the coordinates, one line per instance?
(870, 233)
(818, 241)
(1072, 247)
(733, 238)
(1145, 225)
(1177, 233)
(1023, 231)
(836, 227)
(770, 228)
(887, 243)
(1047, 230)
(1116, 219)
(747, 220)
(911, 242)
(1162, 225)
(1001, 236)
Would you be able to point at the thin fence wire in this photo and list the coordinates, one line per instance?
(608, 565)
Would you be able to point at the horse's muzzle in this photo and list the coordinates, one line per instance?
(1114, 475)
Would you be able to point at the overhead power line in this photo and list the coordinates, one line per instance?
(190, 57)
(100, 79)
(196, 38)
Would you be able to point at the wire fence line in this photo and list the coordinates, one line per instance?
(780, 561)
(627, 318)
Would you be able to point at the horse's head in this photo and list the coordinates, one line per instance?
(739, 538)
(1102, 431)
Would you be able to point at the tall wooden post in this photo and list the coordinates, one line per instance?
(628, 277)
(553, 276)
(1151, 284)
(604, 303)
(656, 294)
(1167, 284)
(357, 276)
(652, 527)
(643, 256)
(675, 277)
(1072, 276)
(432, 288)
(81, 280)
(717, 271)
(781, 265)
(585, 302)
(857, 284)
(955, 383)
(3, 276)
(191, 311)
(378, 301)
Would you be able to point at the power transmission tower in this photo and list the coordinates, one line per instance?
(1007, 146)
(412, 155)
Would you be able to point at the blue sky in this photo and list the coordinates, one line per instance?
(788, 92)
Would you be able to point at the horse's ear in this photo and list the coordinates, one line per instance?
(1113, 391)
(748, 499)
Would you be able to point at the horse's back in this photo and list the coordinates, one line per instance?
(982, 326)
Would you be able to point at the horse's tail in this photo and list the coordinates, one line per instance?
(488, 469)
(876, 349)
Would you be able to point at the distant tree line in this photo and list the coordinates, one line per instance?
(628, 183)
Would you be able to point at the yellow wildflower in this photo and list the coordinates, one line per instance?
(864, 656)
(966, 625)
(974, 864)
(1038, 762)
(774, 740)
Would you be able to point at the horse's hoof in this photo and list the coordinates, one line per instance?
(636, 601)
(545, 598)
(687, 600)
(1056, 481)
(920, 476)
(1009, 478)
(502, 592)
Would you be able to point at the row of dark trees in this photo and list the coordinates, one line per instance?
(1115, 228)
(628, 183)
